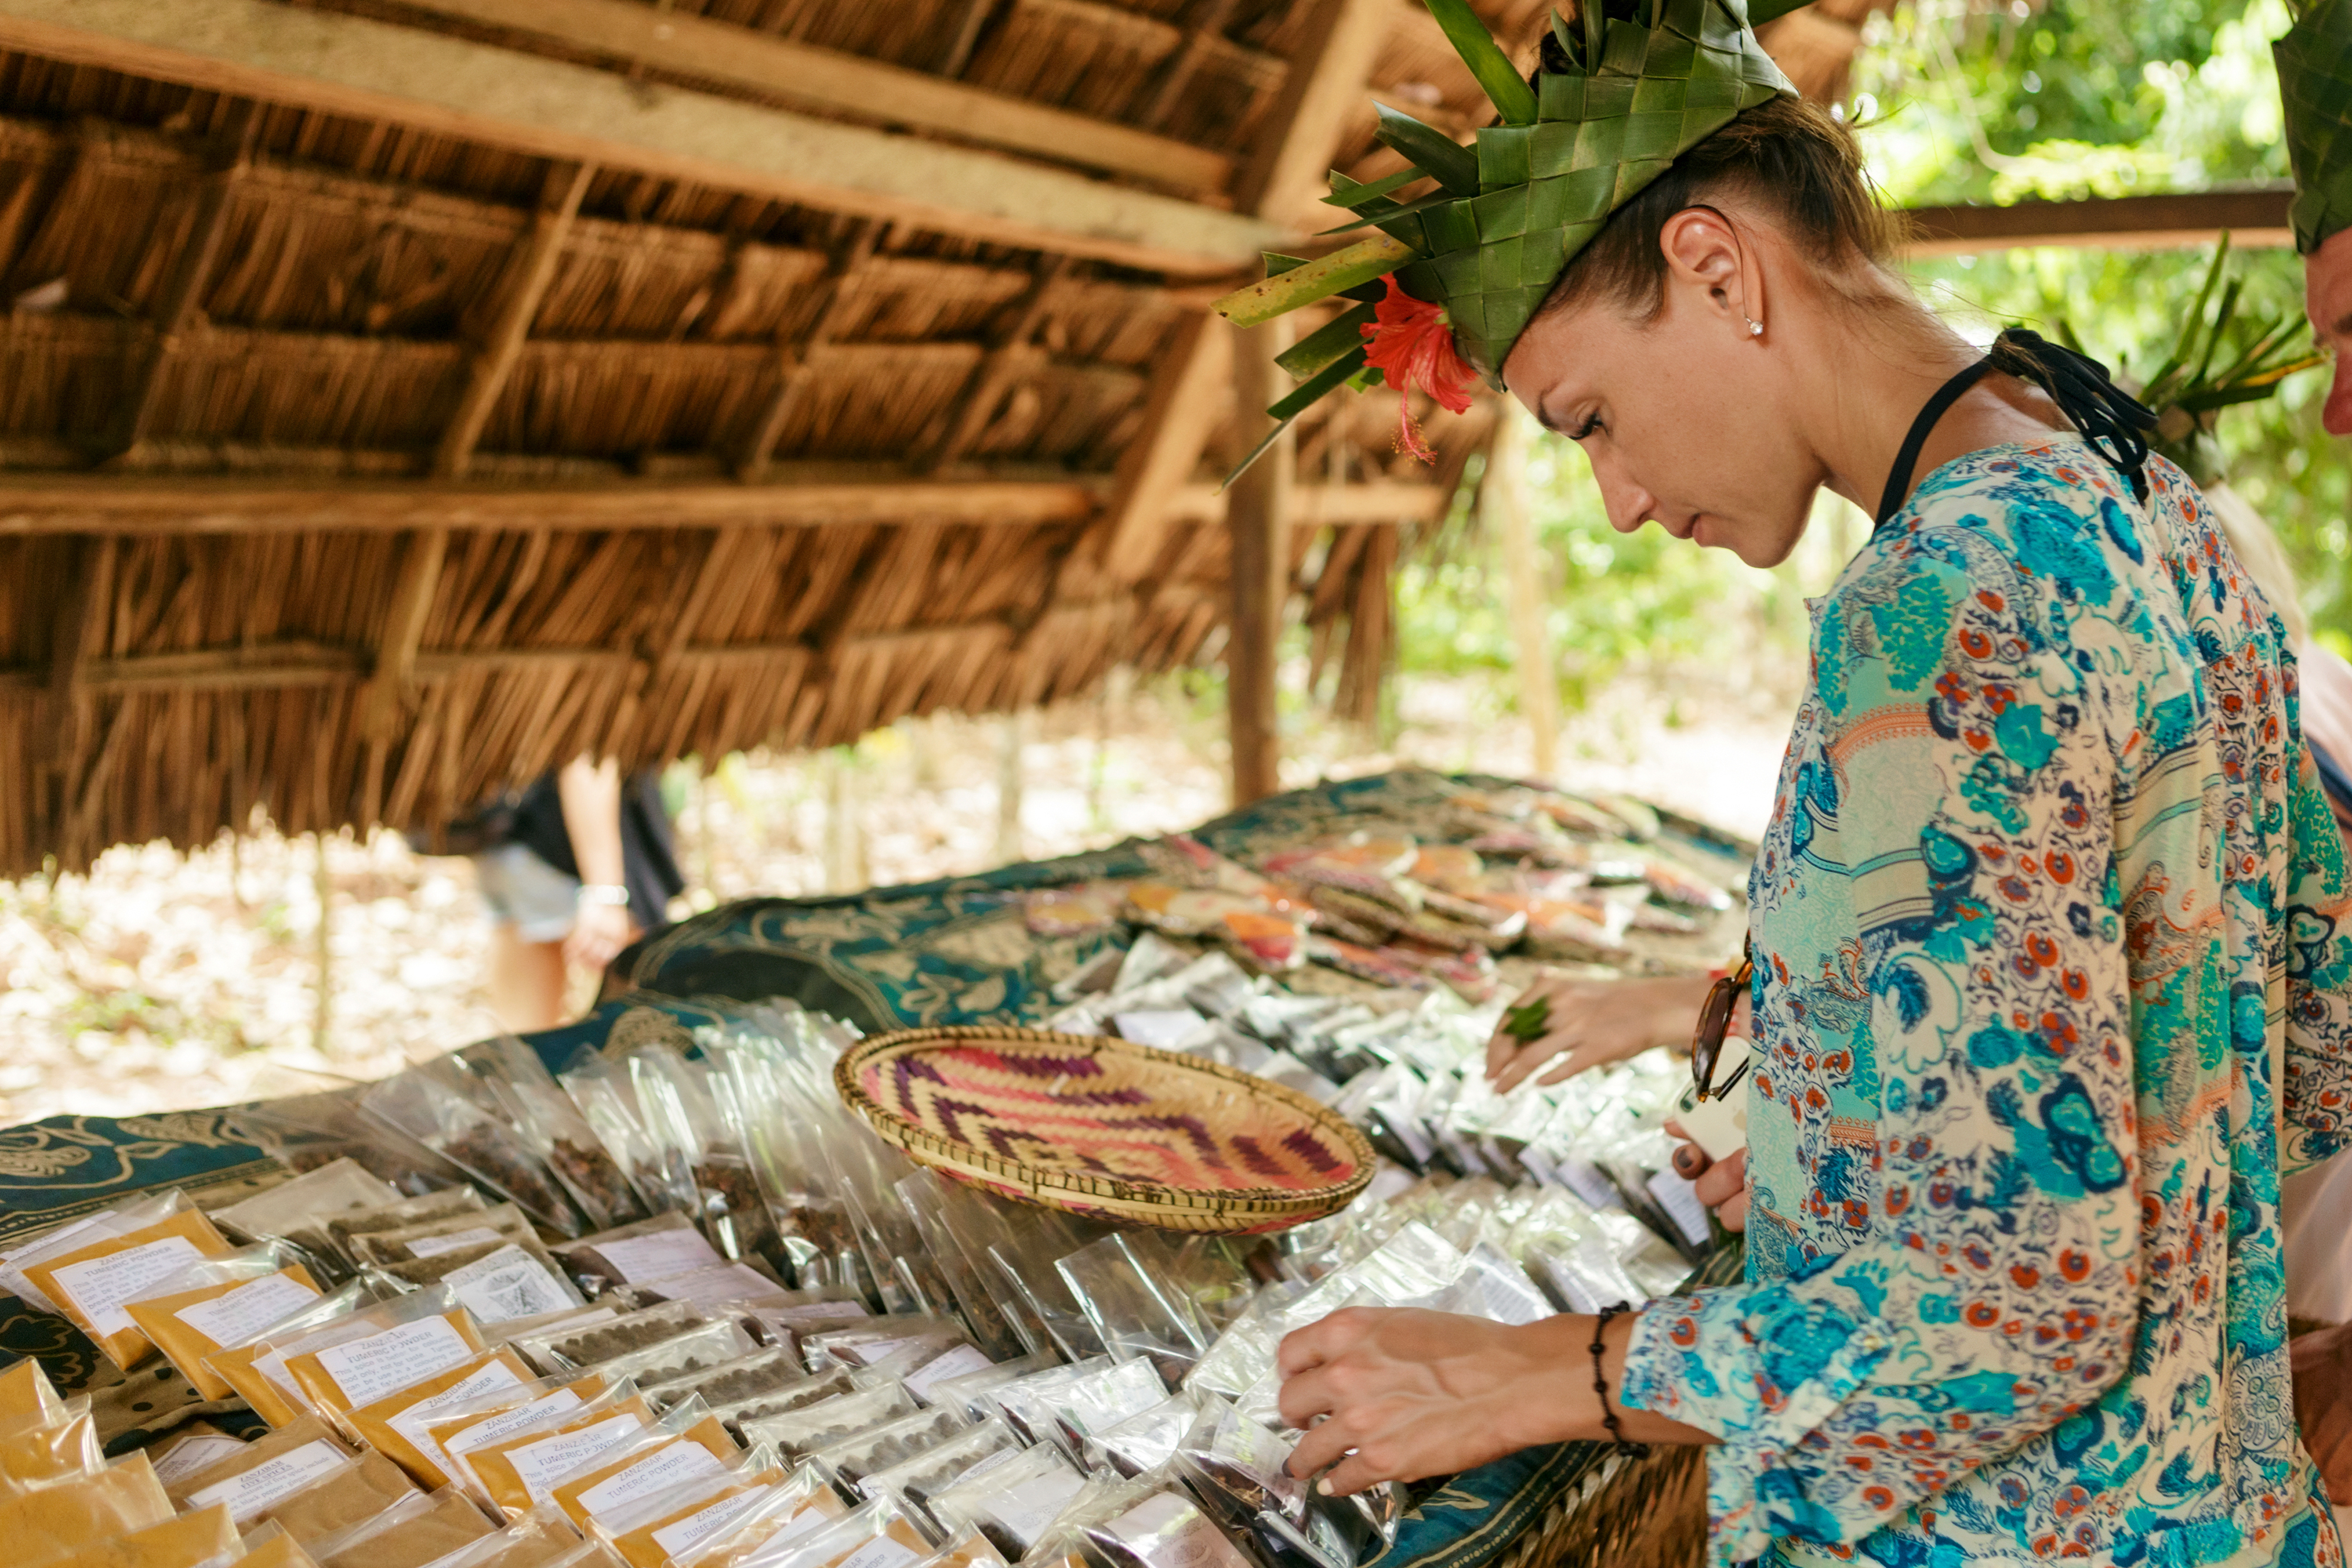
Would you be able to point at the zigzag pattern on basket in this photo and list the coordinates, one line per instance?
(1053, 1108)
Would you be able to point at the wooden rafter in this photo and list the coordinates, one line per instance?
(791, 375)
(1190, 383)
(178, 306)
(2254, 216)
(848, 84)
(1204, 29)
(1007, 355)
(370, 70)
(493, 360)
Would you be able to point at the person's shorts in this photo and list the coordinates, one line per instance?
(526, 892)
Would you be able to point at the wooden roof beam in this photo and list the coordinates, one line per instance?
(533, 268)
(853, 85)
(370, 70)
(2253, 216)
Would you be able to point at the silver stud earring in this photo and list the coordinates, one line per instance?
(1755, 329)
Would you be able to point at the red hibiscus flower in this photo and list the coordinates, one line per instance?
(1412, 344)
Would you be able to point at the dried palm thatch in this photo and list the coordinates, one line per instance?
(351, 468)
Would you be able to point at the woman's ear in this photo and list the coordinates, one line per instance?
(1704, 256)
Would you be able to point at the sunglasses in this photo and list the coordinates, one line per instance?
(1714, 1018)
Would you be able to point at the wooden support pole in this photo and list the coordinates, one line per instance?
(1258, 524)
(1505, 497)
(178, 306)
(534, 269)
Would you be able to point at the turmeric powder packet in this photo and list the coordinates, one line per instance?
(394, 1425)
(205, 1539)
(676, 1453)
(244, 1371)
(338, 1378)
(56, 1522)
(277, 1465)
(43, 1456)
(28, 1397)
(189, 1325)
(651, 1536)
(271, 1547)
(93, 1282)
(452, 1437)
(518, 1473)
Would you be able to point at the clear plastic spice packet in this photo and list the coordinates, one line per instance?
(270, 1547)
(879, 1535)
(500, 1283)
(1090, 1406)
(446, 1233)
(1027, 1402)
(797, 1506)
(543, 1539)
(642, 1253)
(521, 1472)
(305, 1202)
(396, 1424)
(28, 1397)
(452, 1435)
(600, 1092)
(799, 1433)
(697, 1349)
(567, 1347)
(1149, 1438)
(315, 1446)
(417, 1531)
(92, 1282)
(1011, 1503)
(205, 1539)
(916, 1480)
(870, 1339)
(403, 1343)
(185, 1450)
(56, 1522)
(219, 1304)
(552, 1123)
(418, 1104)
(971, 1391)
(851, 1459)
(34, 1456)
(241, 1367)
(940, 1210)
(656, 1532)
(336, 1501)
(458, 1203)
(795, 1396)
(748, 1376)
(686, 1446)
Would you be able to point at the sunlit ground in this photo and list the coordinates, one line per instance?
(164, 981)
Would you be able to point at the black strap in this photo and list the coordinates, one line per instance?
(2111, 420)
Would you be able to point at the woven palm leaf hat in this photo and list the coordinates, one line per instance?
(2315, 72)
(1631, 86)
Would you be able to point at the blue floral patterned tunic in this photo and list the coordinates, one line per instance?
(2052, 981)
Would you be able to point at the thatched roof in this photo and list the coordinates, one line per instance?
(400, 397)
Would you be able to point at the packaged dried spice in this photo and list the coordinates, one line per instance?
(879, 1535)
(452, 1435)
(270, 1547)
(185, 1450)
(411, 1534)
(502, 1283)
(697, 1349)
(915, 1481)
(601, 1092)
(541, 1539)
(205, 1539)
(761, 1371)
(936, 1205)
(1122, 1283)
(90, 1283)
(685, 1447)
(851, 1460)
(1033, 1293)
(563, 1348)
(553, 1126)
(1011, 1502)
(870, 1339)
(732, 1288)
(1089, 1407)
(642, 1253)
(401, 1342)
(1028, 1402)
(796, 1507)
(273, 1467)
(401, 1214)
(517, 1329)
(308, 1133)
(519, 1472)
(56, 1522)
(675, 1097)
(799, 1433)
(338, 1500)
(219, 1304)
(793, 1397)
(657, 1531)
(395, 1425)
(36, 1456)
(1149, 1438)
(440, 1234)
(422, 1106)
(241, 1367)
(28, 1397)
(972, 1392)
(1163, 1530)
(297, 1210)
(965, 1549)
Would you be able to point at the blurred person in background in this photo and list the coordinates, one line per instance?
(574, 869)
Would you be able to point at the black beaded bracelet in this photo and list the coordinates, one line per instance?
(1601, 1386)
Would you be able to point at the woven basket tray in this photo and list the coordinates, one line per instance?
(1107, 1127)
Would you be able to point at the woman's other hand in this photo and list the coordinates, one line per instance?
(1404, 1394)
(2321, 1362)
(1590, 1022)
(1721, 1185)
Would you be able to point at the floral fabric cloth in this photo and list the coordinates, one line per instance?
(2052, 982)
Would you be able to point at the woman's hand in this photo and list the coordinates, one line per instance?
(2321, 1362)
(598, 932)
(1595, 1021)
(1721, 1185)
(1412, 1393)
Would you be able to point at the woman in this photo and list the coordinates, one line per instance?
(2050, 978)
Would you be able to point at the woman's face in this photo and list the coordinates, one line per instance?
(1684, 418)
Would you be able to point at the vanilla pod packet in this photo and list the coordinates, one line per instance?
(1010, 1501)
(796, 1434)
(552, 1123)
(422, 1105)
(851, 1459)
(1121, 1284)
